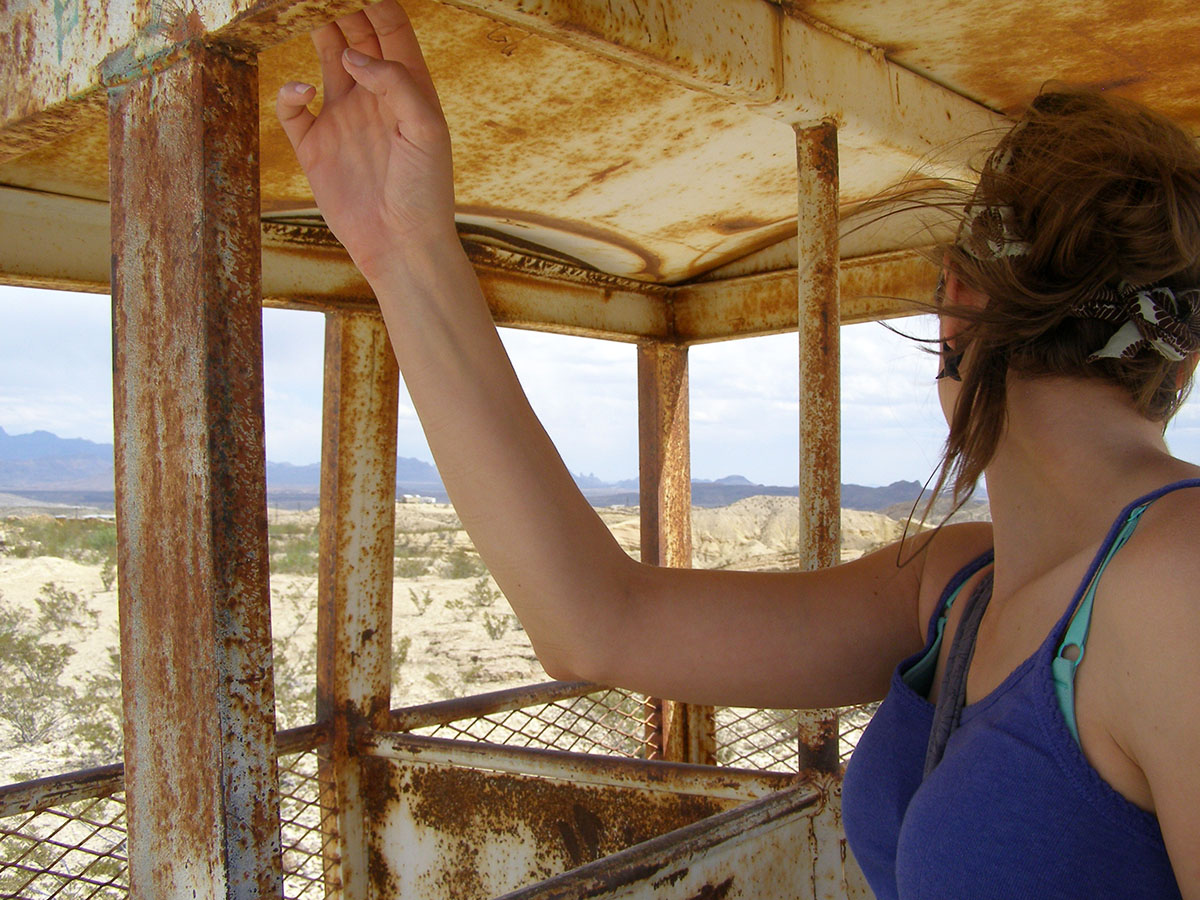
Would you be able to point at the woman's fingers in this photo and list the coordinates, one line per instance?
(330, 42)
(398, 42)
(360, 34)
(399, 92)
(292, 108)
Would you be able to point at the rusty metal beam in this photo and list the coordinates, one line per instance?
(819, 321)
(758, 849)
(54, 60)
(756, 53)
(202, 794)
(820, 394)
(664, 455)
(442, 712)
(876, 287)
(354, 577)
(679, 731)
(651, 775)
(305, 268)
(56, 790)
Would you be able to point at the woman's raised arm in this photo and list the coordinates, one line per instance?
(378, 158)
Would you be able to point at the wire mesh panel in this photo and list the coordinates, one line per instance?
(74, 851)
(77, 850)
(767, 739)
(610, 722)
(302, 817)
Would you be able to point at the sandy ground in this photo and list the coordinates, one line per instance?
(450, 651)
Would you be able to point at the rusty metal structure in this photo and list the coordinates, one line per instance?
(664, 172)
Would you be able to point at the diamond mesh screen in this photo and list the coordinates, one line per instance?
(76, 851)
(302, 817)
(768, 738)
(610, 722)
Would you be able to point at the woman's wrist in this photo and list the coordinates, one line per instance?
(410, 255)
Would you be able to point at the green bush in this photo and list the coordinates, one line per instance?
(421, 601)
(36, 699)
(462, 563)
(411, 566)
(83, 540)
(294, 548)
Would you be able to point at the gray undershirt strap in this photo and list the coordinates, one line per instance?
(953, 694)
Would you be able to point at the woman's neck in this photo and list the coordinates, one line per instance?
(1073, 453)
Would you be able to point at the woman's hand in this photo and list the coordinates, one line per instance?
(378, 153)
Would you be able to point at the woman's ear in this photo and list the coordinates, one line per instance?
(956, 293)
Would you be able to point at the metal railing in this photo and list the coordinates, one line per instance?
(64, 836)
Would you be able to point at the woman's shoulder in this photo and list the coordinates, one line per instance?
(1146, 627)
(951, 549)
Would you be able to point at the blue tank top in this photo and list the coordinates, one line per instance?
(1014, 809)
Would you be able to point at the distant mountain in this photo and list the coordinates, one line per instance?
(42, 463)
(855, 496)
(44, 445)
(412, 477)
(42, 460)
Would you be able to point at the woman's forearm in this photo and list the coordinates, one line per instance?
(550, 553)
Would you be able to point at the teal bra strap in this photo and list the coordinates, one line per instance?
(919, 676)
(1062, 668)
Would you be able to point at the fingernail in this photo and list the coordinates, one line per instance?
(300, 87)
(355, 58)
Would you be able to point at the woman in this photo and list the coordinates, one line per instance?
(1069, 337)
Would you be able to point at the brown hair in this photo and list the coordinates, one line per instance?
(1086, 193)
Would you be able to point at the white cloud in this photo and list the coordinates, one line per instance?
(55, 374)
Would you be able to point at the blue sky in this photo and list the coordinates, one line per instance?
(55, 374)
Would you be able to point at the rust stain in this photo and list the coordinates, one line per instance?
(191, 499)
(741, 223)
(379, 794)
(1142, 50)
(714, 891)
(670, 880)
(569, 824)
(599, 177)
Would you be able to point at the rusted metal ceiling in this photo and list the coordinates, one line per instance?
(1000, 52)
(650, 140)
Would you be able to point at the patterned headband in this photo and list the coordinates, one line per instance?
(990, 232)
(1149, 316)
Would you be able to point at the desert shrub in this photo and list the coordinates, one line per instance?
(37, 700)
(83, 540)
(99, 724)
(293, 548)
(411, 566)
(421, 601)
(497, 624)
(482, 593)
(400, 648)
(108, 574)
(462, 563)
(295, 659)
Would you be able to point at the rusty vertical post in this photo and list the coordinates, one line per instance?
(683, 733)
(354, 617)
(820, 363)
(200, 779)
(818, 263)
(820, 390)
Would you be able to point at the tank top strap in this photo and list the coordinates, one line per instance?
(953, 695)
(1078, 617)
